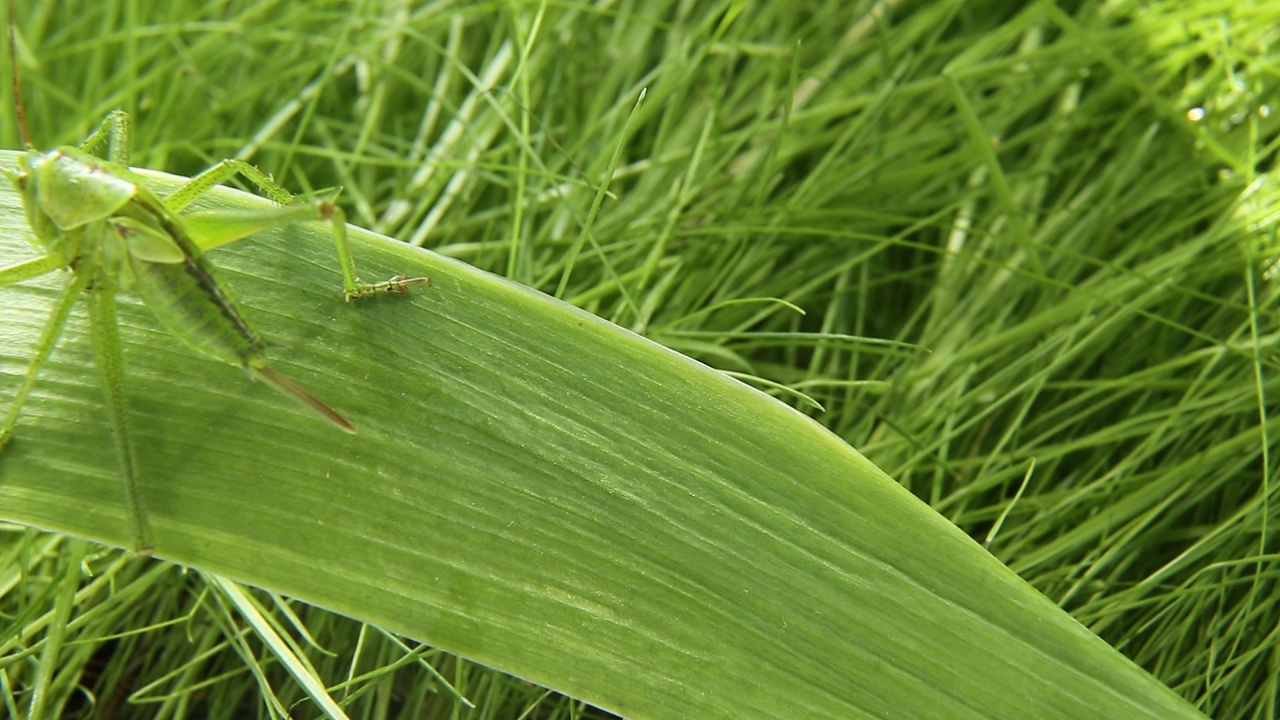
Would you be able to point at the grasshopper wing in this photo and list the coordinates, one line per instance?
(146, 242)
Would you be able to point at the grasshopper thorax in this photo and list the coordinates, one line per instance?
(70, 188)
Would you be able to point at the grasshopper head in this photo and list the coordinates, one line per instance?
(23, 180)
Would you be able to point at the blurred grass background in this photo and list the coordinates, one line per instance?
(1020, 256)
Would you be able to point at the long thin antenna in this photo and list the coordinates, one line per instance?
(13, 67)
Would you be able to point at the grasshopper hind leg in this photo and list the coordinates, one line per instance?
(106, 344)
(246, 223)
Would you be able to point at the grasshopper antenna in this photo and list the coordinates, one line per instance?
(13, 69)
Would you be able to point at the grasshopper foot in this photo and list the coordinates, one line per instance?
(398, 285)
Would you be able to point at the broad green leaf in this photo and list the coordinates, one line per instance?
(542, 492)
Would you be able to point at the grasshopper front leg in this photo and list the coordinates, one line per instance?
(219, 227)
(114, 130)
(44, 346)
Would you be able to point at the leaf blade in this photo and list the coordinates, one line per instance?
(546, 493)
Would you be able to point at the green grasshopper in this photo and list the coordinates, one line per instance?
(90, 214)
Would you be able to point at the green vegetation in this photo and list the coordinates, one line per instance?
(1020, 259)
